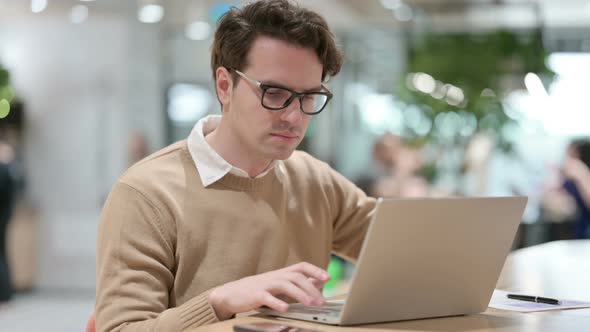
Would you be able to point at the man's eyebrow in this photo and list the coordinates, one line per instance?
(279, 85)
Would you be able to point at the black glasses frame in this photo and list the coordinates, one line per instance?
(294, 94)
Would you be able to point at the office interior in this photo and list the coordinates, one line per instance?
(435, 99)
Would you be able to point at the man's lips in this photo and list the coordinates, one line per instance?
(286, 135)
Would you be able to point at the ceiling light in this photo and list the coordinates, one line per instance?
(455, 96)
(150, 13)
(78, 14)
(38, 6)
(403, 13)
(198, 30)
(391, 4)
(424, 82)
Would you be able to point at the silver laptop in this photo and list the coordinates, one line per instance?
(424, 258)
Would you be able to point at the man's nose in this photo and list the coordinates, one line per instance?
(292, 113)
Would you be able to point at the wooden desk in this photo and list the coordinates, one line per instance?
(560, 269)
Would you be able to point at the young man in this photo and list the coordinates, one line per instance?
(232, 218)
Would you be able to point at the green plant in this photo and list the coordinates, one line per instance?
(478, 70)
(478, 64)
(6, 93)
(5, 89)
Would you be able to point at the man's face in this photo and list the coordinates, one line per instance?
(266, 134)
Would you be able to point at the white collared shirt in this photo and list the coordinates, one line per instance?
(209, 163)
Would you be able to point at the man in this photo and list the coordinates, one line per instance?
(232, 218)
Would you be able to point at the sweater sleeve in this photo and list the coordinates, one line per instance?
(353, 211)
(135, 269)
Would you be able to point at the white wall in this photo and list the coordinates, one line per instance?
(85, 88)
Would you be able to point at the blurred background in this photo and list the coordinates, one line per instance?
(436, 98)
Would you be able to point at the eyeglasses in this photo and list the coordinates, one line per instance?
(276, 98)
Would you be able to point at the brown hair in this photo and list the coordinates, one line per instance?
(281, 19)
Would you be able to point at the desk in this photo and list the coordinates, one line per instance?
(560, 269)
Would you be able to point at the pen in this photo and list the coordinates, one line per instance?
(538, 299)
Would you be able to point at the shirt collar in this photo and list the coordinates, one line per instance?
(209, 163)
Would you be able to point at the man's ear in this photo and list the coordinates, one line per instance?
(223, 86)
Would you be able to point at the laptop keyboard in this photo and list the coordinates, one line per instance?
(330, 308)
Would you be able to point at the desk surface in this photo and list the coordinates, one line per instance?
(560, 269)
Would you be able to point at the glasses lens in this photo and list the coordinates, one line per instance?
(275, 97)
(313, 103)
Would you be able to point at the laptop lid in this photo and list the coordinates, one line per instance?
(431, 257)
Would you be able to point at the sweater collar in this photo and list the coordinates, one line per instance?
(211, 166)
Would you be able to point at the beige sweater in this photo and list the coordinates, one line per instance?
(165, 241)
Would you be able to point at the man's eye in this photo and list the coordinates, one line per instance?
(276, 92)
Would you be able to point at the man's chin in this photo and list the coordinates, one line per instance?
(282, 154)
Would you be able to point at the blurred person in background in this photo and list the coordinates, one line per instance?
(137, 147)
(7, 194)
(385, 149)
(576, 171)
(233, 218)
(382, 162)
(476, 165)
(403, 179)
(570, 198)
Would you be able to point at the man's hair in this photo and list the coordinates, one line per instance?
(280, 19)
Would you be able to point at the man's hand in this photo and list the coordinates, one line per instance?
(301, 282)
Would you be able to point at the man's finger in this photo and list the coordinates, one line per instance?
(308, 287)
(319, 284)
(311, 271)
(288, 288)
(274, 303)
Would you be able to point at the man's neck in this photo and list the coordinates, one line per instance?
(228, 146)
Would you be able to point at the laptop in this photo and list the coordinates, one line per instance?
(424, 258)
